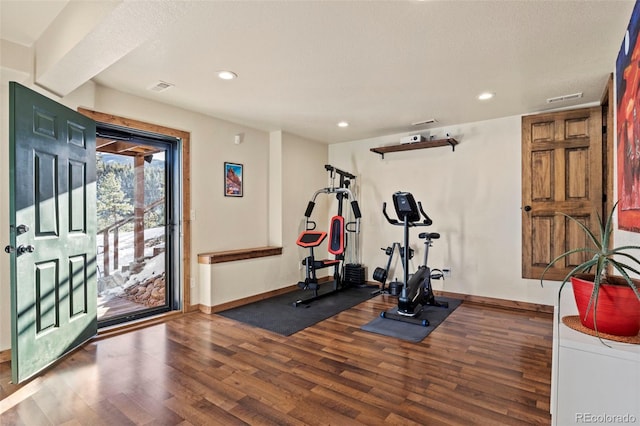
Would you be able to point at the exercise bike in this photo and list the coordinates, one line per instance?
(381, 274)
(417, 291)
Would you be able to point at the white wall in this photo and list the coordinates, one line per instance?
(228, 223)
(301, 174)
(221, 223)
(473, 196)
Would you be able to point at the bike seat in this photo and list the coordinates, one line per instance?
(429, 235)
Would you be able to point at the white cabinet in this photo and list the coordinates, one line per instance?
(592, 383)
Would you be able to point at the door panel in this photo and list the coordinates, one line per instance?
(543, 235)
(576, 237)
(46, 195)
(541, 172)
(577, 186)
(561, 173)
(53, 265)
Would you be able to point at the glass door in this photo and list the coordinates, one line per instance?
(134, 248)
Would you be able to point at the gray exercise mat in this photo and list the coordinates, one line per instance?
(277, 313)
(413, 332)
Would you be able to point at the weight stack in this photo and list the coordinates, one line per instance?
(354, 274)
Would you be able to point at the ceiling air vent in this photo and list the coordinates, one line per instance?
(564, 98)
(424, 122)
(160, 86)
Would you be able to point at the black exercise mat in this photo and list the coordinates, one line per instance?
(278, 314)
(413, 332)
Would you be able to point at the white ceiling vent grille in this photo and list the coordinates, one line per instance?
(160, 86)
(564, 98)
(424, 122)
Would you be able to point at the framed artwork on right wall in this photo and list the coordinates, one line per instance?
(628, 126)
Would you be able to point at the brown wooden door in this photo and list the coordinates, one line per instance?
(561, 173)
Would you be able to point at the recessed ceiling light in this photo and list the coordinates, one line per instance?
(485, 96)
(343, 124)
(227, 75)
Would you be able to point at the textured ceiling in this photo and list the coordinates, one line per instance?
(380, 65)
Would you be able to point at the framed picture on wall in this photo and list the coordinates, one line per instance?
(628, 125)
(233, 174)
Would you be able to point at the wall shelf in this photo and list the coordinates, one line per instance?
(233, 255)
(417, 145)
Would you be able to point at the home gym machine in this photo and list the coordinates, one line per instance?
(338, 238)
(417, 291)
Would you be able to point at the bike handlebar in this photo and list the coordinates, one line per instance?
(426, 222)
(384, 212)
(427, 219)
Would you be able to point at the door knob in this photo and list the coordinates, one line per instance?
(25, 249)
(22, 229)
(527, 208)
(9, 249)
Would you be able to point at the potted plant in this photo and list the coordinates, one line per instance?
(606, 303)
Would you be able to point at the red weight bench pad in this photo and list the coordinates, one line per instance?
(314, 239)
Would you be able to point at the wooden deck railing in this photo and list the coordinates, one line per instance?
(115, 228)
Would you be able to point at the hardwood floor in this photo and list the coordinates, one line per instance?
(482, 366)
(113, 306)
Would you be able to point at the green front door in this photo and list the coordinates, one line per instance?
(53, 227)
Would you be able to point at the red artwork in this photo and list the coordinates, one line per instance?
(628, 127)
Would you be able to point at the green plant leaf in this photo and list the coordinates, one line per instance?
(622, 269)
(563, 255)
(603, 257)
(597, 242)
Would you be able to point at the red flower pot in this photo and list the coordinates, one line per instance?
(618, 310)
